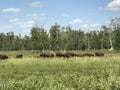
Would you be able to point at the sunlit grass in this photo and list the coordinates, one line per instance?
(77, 73)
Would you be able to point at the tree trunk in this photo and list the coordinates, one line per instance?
(111, 44)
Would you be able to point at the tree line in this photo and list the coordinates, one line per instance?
(64, 38)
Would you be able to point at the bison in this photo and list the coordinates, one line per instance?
(58, 54)
(79, 55)
(37, 56)
(71, 54)
(19, 56)
(99, 54)
(66, 55)
(88, 54)
(3, 57)
(46, 55)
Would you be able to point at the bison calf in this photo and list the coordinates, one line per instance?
(99, 54)
(19, 56)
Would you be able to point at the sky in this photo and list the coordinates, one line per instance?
(19, 16)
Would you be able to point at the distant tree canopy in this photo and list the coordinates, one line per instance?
(64, 38)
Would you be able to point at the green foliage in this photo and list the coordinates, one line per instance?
(27, 43)
(55, 37)
(18, 43)
(2, 41)
(104, 36)
(116, 27)
(39, 38)
(95, 42)
(64, 38)
(117, 39)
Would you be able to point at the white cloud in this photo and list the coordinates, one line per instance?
(94, 25)
(28, 24)
(19, 23)
(77, 21)
(19, 26)
(85, 25)
(91, 25)
(36, 4)
(12, 10)
(14, 20)
(35, 15)
(27, 30)
(65, 15)
(113, 6)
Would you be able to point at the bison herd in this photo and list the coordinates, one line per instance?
(58, 54)
(68, 55)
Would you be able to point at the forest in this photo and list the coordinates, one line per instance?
(64, 38)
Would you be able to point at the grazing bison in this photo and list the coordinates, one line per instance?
(66, 55)
(46, 55)
(37, 56)
(58, 54)
(88, 54)
(19, 56)
(71, 54)
(79, 55)
(3, 57)
(99, 54)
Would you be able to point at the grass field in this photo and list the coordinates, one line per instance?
(77, 73)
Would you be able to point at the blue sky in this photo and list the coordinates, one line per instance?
(19, 16)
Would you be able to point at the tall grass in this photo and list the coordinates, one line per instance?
(29, 73)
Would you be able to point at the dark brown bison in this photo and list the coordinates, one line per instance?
(19, 56)
(58, 54)
(46, 55)
(66, 55)
(71, 54)
(3, 57)
(99, 54)
(88, 55)
(79, 55)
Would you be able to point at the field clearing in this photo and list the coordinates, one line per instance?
(77, 73)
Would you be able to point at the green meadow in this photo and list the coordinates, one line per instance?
(76, 73)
